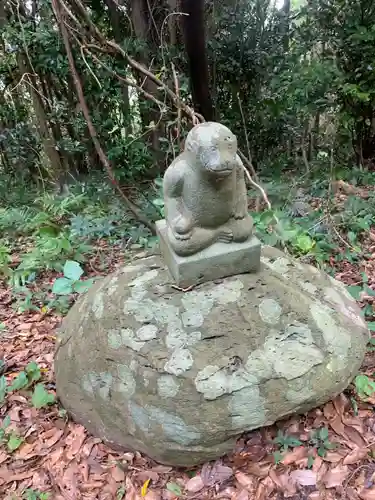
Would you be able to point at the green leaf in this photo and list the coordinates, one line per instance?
(6, 422)
(355, 291)
(328, 445)
(33, 372)
(267, 217)
(371, 326)
(293, 442)
(304, 243)
(323, 433)
(277, 456)
(14, 442)
(72, 270)
(3, 388)
(322, 451)
(19, 382)
(310, 462)
(41, 397)
(174, 488)
(364, 386)
(62, 286)
(270, 239)
(120, 493)
(158, 202)
(82, 286)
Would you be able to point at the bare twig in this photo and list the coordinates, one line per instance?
(177, 90)
(127, 81)
(249, 157)
(256, 185)
(88, 67)
(195, 117)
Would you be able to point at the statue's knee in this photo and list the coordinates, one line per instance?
(242, 229)
(181, 247)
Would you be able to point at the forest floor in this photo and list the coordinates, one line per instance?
(328, 453)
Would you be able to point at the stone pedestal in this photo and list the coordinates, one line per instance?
(220, 260)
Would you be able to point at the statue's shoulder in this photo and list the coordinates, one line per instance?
(176, 174)
(179, 167)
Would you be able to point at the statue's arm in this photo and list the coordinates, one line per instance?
(175, 212)
(240, 196)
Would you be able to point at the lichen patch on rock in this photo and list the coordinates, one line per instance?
(180, 361)
(167, 386)
(270, 311)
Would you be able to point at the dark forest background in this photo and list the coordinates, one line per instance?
(97, 96)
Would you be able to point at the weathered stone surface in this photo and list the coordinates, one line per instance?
(217, 261)
(205, 193)
(179, 375)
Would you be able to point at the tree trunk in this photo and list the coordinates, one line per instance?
(48, 140)
(195, 46)
(152, 113)
(172, 22)
(119, 34)
(286, 24)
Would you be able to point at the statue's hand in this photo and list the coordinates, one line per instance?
(240, 212)
(182, 228)
(225, 236)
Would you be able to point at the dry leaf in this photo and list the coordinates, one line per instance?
(305, 477)
(48, 443)
(131, 492)
(318, 461)
(144, 487)
(367, 494)
(215, 474)
(334, 456)
(147, 474)
(153, 495)
(283, 482)
(243, 495)
(118, 474)
(341, 402)
(355, 437)
(337, 425)
(194, 484)
(329, 411)
(315, 495)
(355, 456)
(335, 477)
(259, 470)
(247, 482)
(227, 493)
(296, 454)
(265, 488)
(162, 469)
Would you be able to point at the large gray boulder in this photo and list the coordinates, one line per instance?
(179, 375)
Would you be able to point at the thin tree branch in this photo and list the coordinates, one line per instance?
(103, 158)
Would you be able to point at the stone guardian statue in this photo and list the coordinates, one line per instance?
(205, 192)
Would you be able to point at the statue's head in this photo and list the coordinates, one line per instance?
(214, 147)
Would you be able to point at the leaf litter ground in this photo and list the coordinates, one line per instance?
(327, 453)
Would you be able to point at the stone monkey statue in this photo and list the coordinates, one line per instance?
(205, 192)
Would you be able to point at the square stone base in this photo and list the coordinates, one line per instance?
(220, 260)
